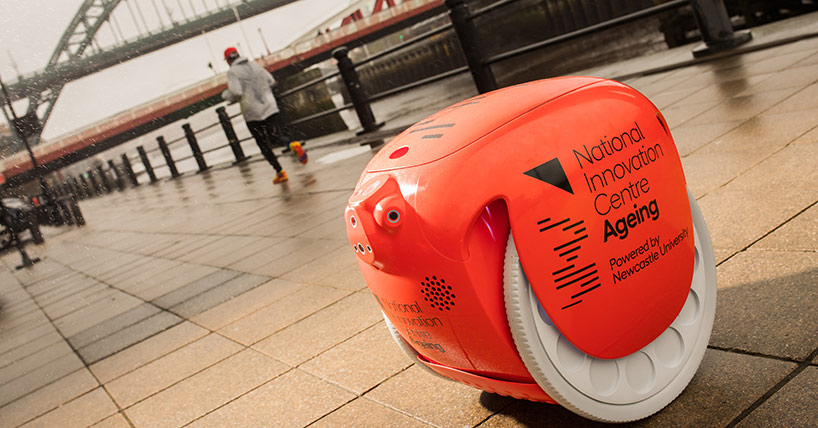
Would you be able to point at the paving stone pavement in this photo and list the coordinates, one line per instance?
(219, 300)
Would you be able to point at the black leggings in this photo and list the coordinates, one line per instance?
(267, 134)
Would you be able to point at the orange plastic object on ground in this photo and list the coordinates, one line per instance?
(582, 172)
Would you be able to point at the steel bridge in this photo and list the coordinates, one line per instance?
(97, 38)
(83, 50)
(104, 33)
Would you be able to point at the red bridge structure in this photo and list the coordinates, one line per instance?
(388, 16)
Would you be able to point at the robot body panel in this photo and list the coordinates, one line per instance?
(582, 172)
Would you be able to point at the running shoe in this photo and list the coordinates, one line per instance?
(280, 177)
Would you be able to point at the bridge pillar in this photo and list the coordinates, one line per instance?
(356, 92)
(715, 28)
(147, 163)
(467, 34)
(126, 163)
(227, 126)
(194, 147)
(163, 146)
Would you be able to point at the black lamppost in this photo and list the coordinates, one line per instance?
(18, 129)
(14, 238)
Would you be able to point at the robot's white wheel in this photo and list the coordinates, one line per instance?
(628, 388)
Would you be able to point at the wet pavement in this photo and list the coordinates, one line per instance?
(219, 299)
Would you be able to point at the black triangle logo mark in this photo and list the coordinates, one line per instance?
(552, 173)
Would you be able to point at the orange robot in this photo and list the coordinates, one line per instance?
(540, 242)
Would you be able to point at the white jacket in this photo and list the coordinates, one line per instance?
(251, 83)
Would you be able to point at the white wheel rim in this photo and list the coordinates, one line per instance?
(628, 388)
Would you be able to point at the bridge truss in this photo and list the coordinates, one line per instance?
(104, 33)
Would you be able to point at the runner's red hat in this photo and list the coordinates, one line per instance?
(230, 52)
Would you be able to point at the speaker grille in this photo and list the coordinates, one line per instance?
(439, 294)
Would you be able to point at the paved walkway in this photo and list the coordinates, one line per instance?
(220, 300)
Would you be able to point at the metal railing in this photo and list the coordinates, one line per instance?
(644, 13)
(711, 17)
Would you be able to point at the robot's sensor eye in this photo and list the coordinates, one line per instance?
(399, 152)
(393, 216)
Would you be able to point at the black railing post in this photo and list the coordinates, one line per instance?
(126, 163)
(79, 219)
(69, 185)
(82, 185)
(103, 179)
(60, 198)
(95, 190)
(227, 126)
(194, 147)
(86, 189)
(120, 183)
(467, 34)
(355, 90)
(64, 210)
(715, 28)
(163, 146)
(146, 162)
(76, 187)
(14, 239)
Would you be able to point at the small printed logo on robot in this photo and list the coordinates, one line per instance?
(618, 161)
(428, 345)
(643, 256)
(609, 147)
(415, 325)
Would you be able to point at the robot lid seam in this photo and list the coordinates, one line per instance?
(489, 132)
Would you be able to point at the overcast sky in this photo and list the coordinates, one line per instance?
(31, 29)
